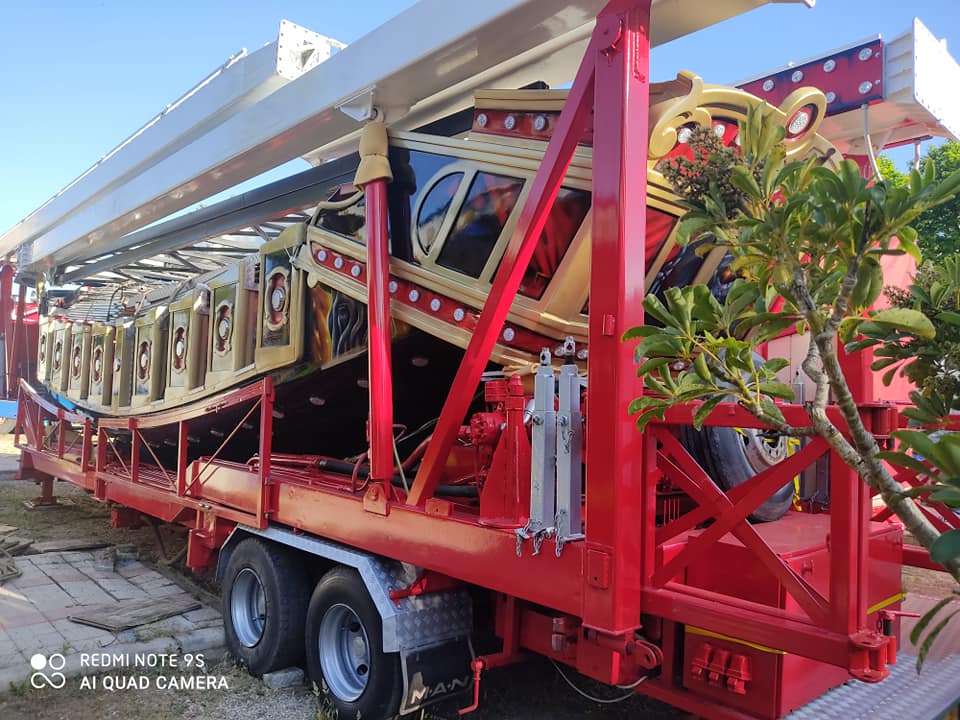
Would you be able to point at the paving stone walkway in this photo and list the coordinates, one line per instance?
(34, 608)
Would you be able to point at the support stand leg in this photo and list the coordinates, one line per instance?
(46, 498)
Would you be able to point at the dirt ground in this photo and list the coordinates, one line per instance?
(531, 691)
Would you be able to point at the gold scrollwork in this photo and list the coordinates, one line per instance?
(687, 100)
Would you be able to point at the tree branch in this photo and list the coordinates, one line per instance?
(859, 452)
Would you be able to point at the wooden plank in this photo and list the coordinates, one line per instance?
(14, 545)
(8, 569)
(67, 545)
(127, 614)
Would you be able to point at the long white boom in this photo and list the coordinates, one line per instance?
(420, 65)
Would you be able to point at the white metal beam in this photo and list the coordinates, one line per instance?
(422, 63)
(242, 81)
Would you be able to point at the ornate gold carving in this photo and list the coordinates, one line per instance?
(687, 101)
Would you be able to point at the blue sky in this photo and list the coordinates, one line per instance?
(78, 76)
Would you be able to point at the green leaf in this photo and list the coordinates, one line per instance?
(911, 321)
(692, 224)
(883, 362)
(777, 390)
(903, 460)
(925, 620)
(848, 329)
(651, 383)
(907, 233)
(928, 641)
(889, 375)
(770, 409)
(645, 403)
(651, 364)
(948, 495)
(742, 178)
(946, 547)
(775, 365)
(701, 368)
(703, 412)
(653, 306)
(705, 306)
(869, 283)
(654, 413)
(859, 345)
(943, 453)
(641, 331)
(949, 317)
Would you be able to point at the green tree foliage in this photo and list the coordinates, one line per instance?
(806, 240)
(938, 229)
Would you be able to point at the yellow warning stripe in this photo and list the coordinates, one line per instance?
(899, 597)
(755, 646)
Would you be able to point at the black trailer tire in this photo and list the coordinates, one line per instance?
(345, 656)
(265, 593)
(732, 456)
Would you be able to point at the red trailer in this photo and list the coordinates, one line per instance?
(627, 564)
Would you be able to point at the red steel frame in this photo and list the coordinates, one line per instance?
(604, 584)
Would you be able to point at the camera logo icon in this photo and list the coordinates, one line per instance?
(52, 665)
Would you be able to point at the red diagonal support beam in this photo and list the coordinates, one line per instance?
(700, 514)
(732, 518)
(570, 127)
(709, 495)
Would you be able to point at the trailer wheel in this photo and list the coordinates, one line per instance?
(345, 649)
(731, 456)
(265, 593)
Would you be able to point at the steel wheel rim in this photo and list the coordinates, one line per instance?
(344, 653)
(248, 607)
(763, 448)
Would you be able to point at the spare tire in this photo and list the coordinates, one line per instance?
(731, 456)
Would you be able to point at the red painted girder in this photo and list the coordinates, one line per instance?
(748, 621)
(731, 414)
(46, 463)
(573, 119)
(151, 501)
(619, 512)
(917, 556)
(378, 328)
(164, 504)
(461, 548)
(849, 546)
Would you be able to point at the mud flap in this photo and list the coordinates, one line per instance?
(435, 672)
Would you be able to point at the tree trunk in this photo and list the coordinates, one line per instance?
(861, 455)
